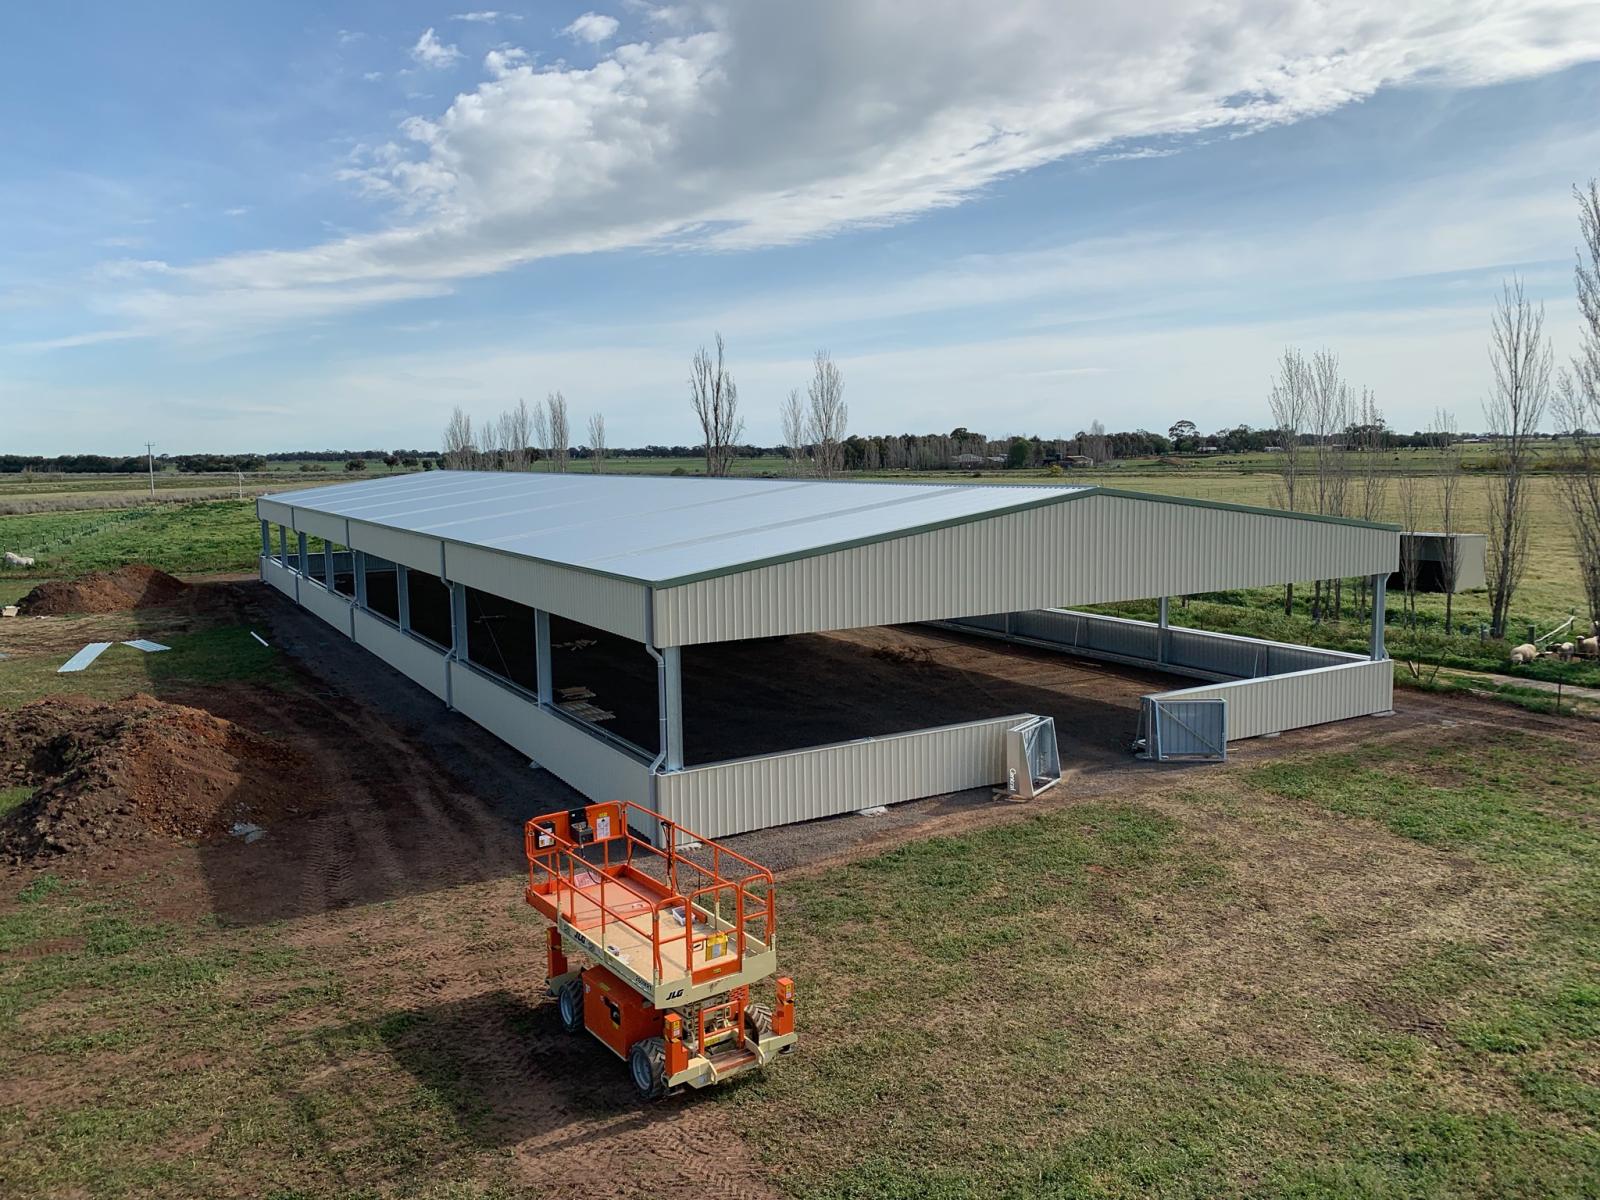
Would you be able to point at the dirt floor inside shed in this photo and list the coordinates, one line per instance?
(387, 966)
(773, 694)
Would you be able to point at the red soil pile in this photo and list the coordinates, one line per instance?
(107, 773)
(132, 586)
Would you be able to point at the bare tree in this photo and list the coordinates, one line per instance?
(826, 414)
(1329, 413)
(458, 451)
(516, 437)
(560, 431)
(1368, 438)
(541, 430)
(1522, 361)
(1094, 443)
(792, 416)
(489, 445)
(597, 443)
(1288, 402)
(1448, 479)
(1578, 405)
(715, 398)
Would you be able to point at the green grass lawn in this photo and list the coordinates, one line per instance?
(996, 1015)
(1370, 974)
(221, 535)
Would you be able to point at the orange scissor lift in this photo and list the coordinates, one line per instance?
(675, 935)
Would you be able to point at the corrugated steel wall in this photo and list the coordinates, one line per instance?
(753, 793)
(1180, 651)
(595, 767)
(1094, 550)
(405, 654)
(330, 606)
(1293, 701)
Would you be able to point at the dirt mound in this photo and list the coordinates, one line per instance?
(132, 586)
(110, 772)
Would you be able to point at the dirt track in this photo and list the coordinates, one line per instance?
(425, 813)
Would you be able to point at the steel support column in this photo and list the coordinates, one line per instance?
(671, 693)
(402, 596)
(1161, 636)
(1380, 587)
(327, 563)
(358, 563)
(300, 539)
(541, 653)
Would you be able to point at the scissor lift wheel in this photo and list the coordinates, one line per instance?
(570, 1003)
(647, 1062)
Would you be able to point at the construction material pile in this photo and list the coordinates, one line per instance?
(109, 773)
(133, 586)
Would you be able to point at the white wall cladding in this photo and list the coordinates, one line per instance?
(1301, 698)
(333, 529)
(593, 766)
(753, 793)
(411, 657)
(278, 575)
(330, 606)
(1181, 651)
(412, 549)
(1092, 550)
(613, 604)
(271, 510)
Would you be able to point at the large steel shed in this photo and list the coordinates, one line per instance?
(671, 562)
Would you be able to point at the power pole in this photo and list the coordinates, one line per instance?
(150, 454)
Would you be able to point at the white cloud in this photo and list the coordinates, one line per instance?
(593, 28)
(238, 211)
(432, 53)
(372, 76)
(486, 17)
(722, 136)
(500, 62)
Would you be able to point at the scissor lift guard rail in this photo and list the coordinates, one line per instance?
(675, 933)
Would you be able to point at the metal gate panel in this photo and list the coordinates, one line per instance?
(1195, 729)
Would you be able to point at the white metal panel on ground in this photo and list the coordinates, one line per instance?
(413, 550)
(616, 605)
(412, 658)
(753, 793)
(83, 657)
(1301, 698)
(1097, 548)
(592, 766)
(330, 606)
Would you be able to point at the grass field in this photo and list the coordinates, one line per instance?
(1335, 975)
(222, 535)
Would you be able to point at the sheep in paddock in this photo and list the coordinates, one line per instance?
(1589, 647)
(18, 560)
(1564, 651)
(1524, 653)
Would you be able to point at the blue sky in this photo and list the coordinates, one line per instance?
(281, 226)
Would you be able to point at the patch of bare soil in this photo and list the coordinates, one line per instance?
(126, 770)
(133, 586)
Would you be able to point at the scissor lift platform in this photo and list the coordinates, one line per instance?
(677, 928)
